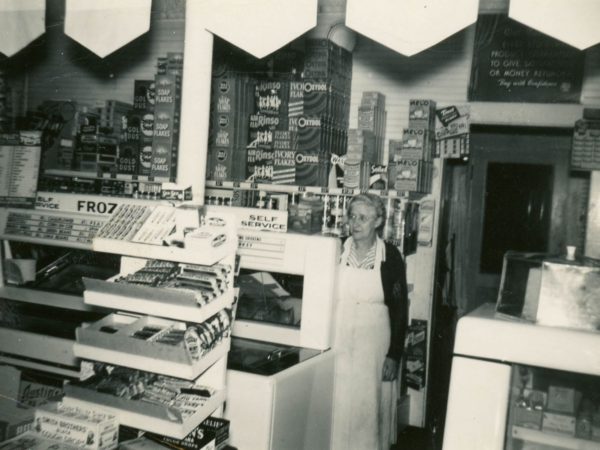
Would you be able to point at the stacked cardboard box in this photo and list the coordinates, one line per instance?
(410, 160)
(372, 117)
(165, 139)
(136, 152)
(232, 99)
(271, 98)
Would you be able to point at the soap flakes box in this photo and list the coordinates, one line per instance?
(82, 428)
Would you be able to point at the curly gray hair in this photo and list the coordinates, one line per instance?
(372, 200)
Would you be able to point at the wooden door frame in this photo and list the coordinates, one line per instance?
(519, 145)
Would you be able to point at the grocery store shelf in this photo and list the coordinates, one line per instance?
(38, 347)
(291, 189)
(45, 298)
(104, 176)
(148, 363)
(177, 254)
(178, 304)
(553, 439)
(143, 415)
(40, 366)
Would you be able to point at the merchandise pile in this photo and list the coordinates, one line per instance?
(410, 160)
(280, 124)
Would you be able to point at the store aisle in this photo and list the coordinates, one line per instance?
(413, 438)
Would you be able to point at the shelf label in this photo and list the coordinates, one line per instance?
(301, 188)
(86, 204)
(268, 248)
(31, 224)
(237, 184)
(19, 167)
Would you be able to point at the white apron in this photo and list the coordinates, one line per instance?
(364, 406)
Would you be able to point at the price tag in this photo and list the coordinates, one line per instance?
(218, 183)
(253, 185)
(236, 184)
(301, 188)
(364, 191)
(324, 190)
(347, 191)
(383, 192)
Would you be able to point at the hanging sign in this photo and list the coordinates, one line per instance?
(574, 22)
(410, 26)
(514, 63)
(259, 27)
(107, 25)
(21, 21)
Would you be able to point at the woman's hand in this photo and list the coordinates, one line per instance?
(390, 369)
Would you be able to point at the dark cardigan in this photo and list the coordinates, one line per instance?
(395, 296)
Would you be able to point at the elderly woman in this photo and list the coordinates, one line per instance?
(371, 321)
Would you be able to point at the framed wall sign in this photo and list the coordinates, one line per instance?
(514, 63)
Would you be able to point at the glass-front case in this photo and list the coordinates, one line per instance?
(56, 269)
(270, 297)
(551, 410)
(264, 358)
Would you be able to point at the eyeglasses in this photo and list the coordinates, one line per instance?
(360, 218)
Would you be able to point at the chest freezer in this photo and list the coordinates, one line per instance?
(518, 385)
(280, 366)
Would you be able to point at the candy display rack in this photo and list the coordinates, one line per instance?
(186, 334)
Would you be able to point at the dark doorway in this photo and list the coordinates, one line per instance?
(518, 199)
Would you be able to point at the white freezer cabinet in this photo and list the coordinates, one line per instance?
(519, 386)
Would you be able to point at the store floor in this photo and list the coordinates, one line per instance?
(413, 438)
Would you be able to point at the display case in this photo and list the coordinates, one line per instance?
(281, 350)
(177, 366)
(517, 385)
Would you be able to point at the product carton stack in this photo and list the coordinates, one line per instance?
(167, 109)
(135, 155)
(410, 160)
(365, 143)
(150, 142)
(372, 117)
(281, 122)
(165, 140)
(271, 98)
(232, 102)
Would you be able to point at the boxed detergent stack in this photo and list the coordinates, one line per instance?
(232, 102)
(271, 97)
(410, 160)
(165, 141)
(319, 110)
(135, 152)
